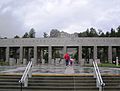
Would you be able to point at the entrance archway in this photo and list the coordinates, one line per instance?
(102, 54)
(87, 53)
(73, 52)
(2, 54)
(42, 55)
(57, 55)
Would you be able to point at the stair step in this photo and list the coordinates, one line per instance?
(58, 83)
(61, 80)
(63, 84)
(48, 90)
(9, 79)
(61, 88)
(9, 83)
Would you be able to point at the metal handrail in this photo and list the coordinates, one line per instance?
(99, 82)
(27, 73)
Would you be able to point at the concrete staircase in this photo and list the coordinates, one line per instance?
(9, 82)
(112, 82)
(58, 83)
(62, 83)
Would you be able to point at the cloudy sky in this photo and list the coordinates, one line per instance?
(19, 16)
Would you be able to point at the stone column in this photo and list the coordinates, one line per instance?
(29, 54)
(41, 55)
(95, 53)
(35, 55)
(21, 54)
(80, 55)
(110, 54)
(7, 54)
(49, 54)
(24, 60)
(64, 50)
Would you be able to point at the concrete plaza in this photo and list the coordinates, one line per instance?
(57, 69)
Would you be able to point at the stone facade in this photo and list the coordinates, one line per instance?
(63, 42)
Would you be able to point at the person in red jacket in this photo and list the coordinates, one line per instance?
(67, 58)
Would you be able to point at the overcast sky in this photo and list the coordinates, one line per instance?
(19, 16)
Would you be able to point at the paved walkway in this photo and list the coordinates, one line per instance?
(58, 69)
(69, 70)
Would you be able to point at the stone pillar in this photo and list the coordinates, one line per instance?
(29, 54)
(110, 54)
(12, 61)
(64, 50)
(21, 54)
(49, 54)
(35, 55)
(95, 53)
(80, 55)
(18, 62)
(41, 54)
(117, 61)
(91, 61)
(7, 54)
(24, 61)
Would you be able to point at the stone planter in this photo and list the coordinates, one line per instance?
(33, 61)
(90, 61)
(12, 61)
(43, 61)
(24, 61)
(98, 61)
(18, 62)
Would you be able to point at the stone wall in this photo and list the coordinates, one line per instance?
(60, 42)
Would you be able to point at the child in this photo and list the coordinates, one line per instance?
(71, 61)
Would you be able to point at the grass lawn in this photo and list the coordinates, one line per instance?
(108, 65)
(104, 65)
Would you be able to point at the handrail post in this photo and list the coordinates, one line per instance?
(21, 86)
(97, 75)
(26, 82)
(100, 88)
(97, 83)
(30, 72)
(117, 61)
(27, 73)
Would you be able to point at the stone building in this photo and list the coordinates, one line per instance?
(51, 50)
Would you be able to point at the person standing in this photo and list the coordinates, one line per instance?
(67, 58)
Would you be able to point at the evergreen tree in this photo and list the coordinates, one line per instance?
(16, 36)
(32, 33)
(25, 35)
(102, 35)
(118, 31)
(113, 33)
(93, 33)
(107, 34)
(100, 32)
(80, 34)
(54, 33)
(87, 33)
(45, 35)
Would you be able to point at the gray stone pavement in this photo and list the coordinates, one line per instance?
(57, 69)
(69, 70)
